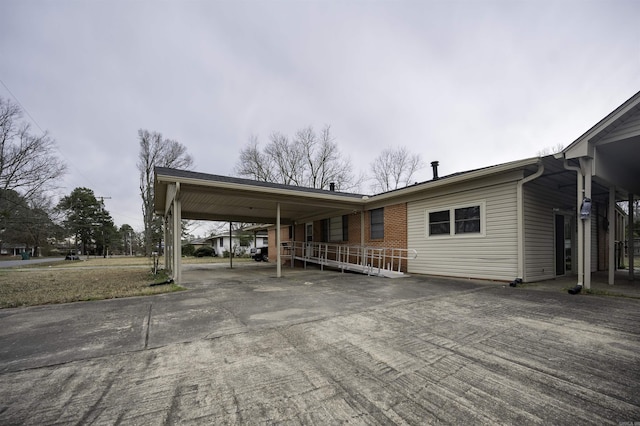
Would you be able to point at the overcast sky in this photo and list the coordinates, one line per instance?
(469, 83)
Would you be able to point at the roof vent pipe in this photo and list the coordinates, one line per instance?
(434, 165)
(332, 186)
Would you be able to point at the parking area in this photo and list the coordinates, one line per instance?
(321, 347)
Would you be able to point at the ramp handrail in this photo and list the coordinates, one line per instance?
(369, 260)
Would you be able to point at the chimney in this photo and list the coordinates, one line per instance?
(332, 186)
(434, 165)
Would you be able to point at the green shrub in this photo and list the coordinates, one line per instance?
(205, 252)
(188, 250)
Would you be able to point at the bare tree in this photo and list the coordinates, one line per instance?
(394, 168)
(550, 150)
(254, 164)
(156, 151)
(29, 164)
(307, 160)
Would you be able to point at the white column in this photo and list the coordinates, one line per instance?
(231, 245)
(278, 237)
(580, 196)
(167, 235)
(177, 246)
(587, 226)
(630, 244)
(611, 216)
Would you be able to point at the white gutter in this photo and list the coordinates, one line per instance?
(520, 210)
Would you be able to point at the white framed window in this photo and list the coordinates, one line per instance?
(376, 218)
(336, 229)
(466, 220)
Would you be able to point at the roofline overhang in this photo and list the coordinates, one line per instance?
(581, 146)
(339, 200)
(453, 180)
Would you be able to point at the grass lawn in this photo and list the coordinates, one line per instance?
(91, 279)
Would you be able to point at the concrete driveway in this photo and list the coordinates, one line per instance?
(244, 347)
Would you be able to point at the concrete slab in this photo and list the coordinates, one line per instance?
(242, 346)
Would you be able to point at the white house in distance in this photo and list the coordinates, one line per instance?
(533, 219)
(254, 239)
(251, 238)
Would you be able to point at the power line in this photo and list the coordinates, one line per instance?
(22, 106)
(55, 145)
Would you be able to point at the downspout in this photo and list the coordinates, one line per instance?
(520, 210)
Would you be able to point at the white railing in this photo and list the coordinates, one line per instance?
(368, 260)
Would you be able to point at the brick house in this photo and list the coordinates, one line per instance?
(533, 219)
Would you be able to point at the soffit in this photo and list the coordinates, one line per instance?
(211, 197)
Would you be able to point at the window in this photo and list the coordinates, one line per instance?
(336, 229)
(377, 224)
(468, 220)
(439, 223)
(454, 221)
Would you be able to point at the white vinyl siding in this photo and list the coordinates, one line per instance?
(539, 229)
(539, 232)
(491, 254)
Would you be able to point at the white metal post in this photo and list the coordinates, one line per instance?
(278, 255)
(587, 226)
(580, 196)
(611, 217)
(630, 243)
(177, 247)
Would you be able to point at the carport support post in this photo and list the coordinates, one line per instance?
(230, 245)
(177, 247)
(587, 226)
(167, 256)
(630, 244)
(362, 213)
(611, 217)
(580, 196)
(278, 237)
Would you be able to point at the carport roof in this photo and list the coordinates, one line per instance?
(223, 198)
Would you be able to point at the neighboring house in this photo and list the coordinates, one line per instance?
(241, 242)
(11, 249)
(533, 219)
(201, 242)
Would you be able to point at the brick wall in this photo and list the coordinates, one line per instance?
(395, 231)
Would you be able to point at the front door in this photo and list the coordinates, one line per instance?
(308, 239)
(563, 244)
(559, 222)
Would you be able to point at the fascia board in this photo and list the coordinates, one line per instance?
(580, 148)
(275, 192)
(419, 191)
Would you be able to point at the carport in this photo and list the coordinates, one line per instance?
(607, 154)
(181, 194)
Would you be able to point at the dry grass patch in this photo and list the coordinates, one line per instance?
(29, 287)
